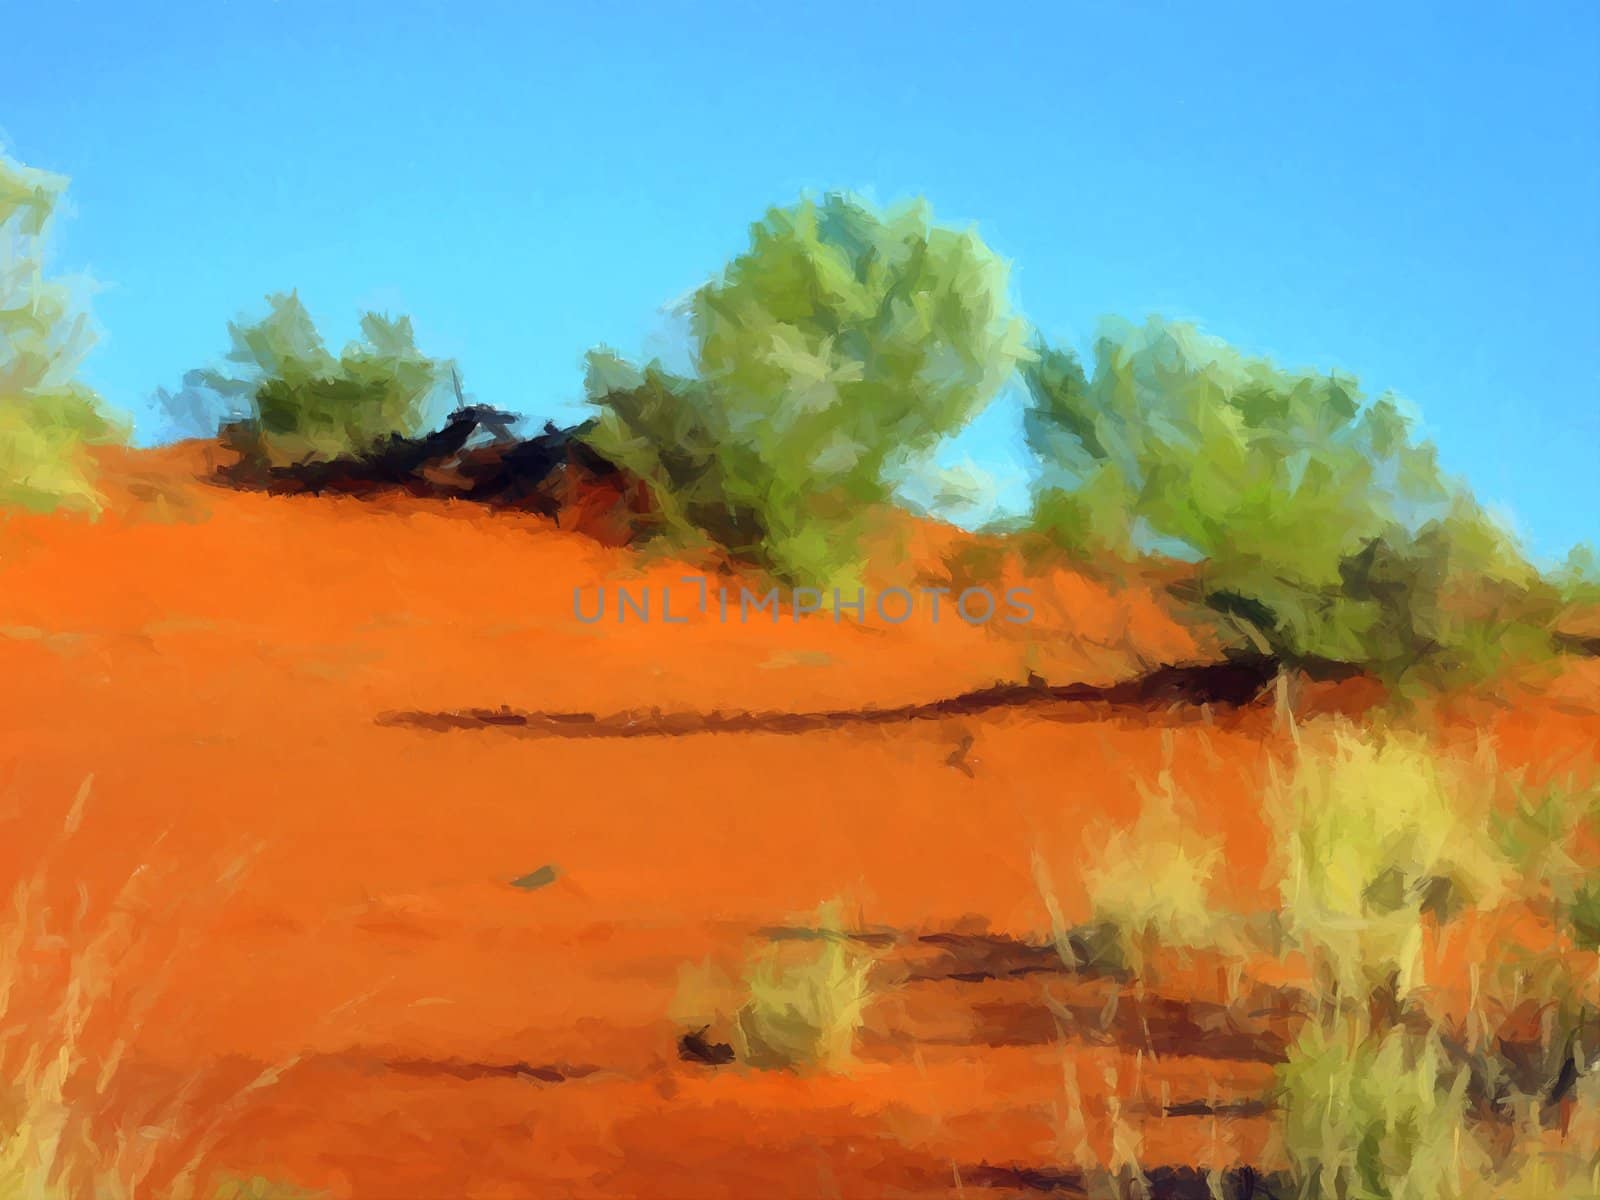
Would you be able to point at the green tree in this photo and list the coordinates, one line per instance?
(840, 346)
(1323, 528)
(48, 418)
(309, 405)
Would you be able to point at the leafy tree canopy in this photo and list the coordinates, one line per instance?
(1324, 527)
(841, 344)
(47, 416)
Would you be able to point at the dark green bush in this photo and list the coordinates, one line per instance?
(308, 405)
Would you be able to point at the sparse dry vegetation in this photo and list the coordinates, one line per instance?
(1389, 1089)
(1377, 1113)
(1383, 835)
(1376, 831)
(75, 990)
(1152, 882)
(805, 1002)
(1309, 527)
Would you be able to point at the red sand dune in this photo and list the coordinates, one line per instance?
(218, 661)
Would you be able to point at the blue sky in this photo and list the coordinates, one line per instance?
(1411, 195)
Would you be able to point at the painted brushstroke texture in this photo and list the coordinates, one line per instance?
(348, 857)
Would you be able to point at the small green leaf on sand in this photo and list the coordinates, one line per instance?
(535, 880)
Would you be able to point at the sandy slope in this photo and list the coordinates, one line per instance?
(219, 662)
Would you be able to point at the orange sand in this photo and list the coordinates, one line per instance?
(217, 660)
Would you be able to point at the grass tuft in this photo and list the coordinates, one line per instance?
(1375, 831)
(806, 1002)
(71, 1125)
(1376, 1115)
(1152, 882)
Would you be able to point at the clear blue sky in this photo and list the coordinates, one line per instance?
(1411, 195)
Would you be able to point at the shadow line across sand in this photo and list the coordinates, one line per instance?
(1229, 684)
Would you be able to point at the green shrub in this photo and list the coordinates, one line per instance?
(1376, 1115)
(308, 405)
(47, 418)
(1321, 525)
(840, 346)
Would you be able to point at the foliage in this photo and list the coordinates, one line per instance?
(47, 1143)
(1376, 1115)
(72, 994)
(1382, 1114)
(1375, 830)
(1379, 833)
(309, 405)
(805, 1011)
(1583, 915)
(1321, 523)
(1537, 834)
(48, 418)
(664, 428)
(841, 345)
(1152, 882)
